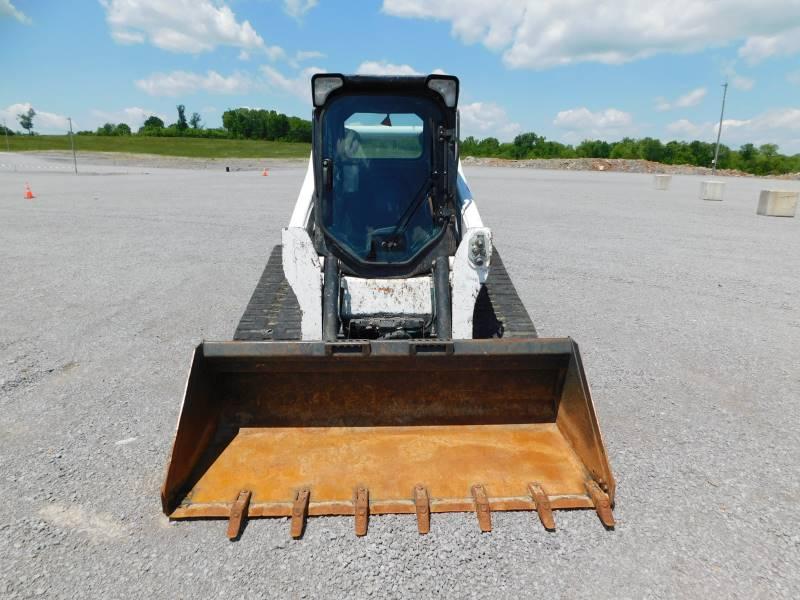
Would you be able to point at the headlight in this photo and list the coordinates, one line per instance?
(479, 249)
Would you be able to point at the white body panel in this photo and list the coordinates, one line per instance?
(467, 278)
(470, 217)
(400, 297)
(303, 272)
(305, 199)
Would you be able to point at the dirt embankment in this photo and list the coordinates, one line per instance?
(622, 165)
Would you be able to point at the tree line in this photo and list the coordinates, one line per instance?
(237, 123)
(155, 126)
(262, 124)
(761, 160)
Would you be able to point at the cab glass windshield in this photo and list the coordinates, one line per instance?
(379, 202)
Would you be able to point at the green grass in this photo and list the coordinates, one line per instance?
(191, 147)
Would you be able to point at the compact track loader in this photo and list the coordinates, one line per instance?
(385, 363)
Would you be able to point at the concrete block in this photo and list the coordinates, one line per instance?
(712, 190)
(661, 182)
(777, 203)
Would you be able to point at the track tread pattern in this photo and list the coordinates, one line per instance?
(499, 311)
(273, 312)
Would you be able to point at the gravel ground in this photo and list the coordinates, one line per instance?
(121, 162)
(688, 317)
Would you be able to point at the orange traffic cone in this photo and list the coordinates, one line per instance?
(28, 193)
(265, 173)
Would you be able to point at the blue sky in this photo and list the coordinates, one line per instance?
(568, 70)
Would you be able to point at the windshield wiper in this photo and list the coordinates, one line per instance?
(411, 210)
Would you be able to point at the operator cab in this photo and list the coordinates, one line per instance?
(385, 168)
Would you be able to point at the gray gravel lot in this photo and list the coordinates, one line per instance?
(688, 316)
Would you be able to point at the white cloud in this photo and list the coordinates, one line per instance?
(275, 53)
(692, 98)
(191, 26)
(179, 83)
(539, 35)
(793, 77)
(742, 83)
(487, 119)
(43, 122)
(133, 116)
(302, 56)
(381, 67)
(737, 81)
(298, 8)
(761, 47)
(685, 130)
(776, 126)
(581, 123)
(299, 86)
(7, 9)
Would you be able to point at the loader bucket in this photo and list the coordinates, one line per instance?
(293, 429)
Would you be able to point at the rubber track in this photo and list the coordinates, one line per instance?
(273, 312)
(499, 311)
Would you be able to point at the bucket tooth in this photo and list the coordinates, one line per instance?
(423, 507)
(543, 508)
(300, 512)
(482, 509)
(238, 514)
(601, 503)
(361, 510)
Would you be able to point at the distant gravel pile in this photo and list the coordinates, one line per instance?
(622, 165)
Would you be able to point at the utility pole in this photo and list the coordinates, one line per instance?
(719, 129)
(72, 143)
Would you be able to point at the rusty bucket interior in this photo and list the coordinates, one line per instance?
(313, 428)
